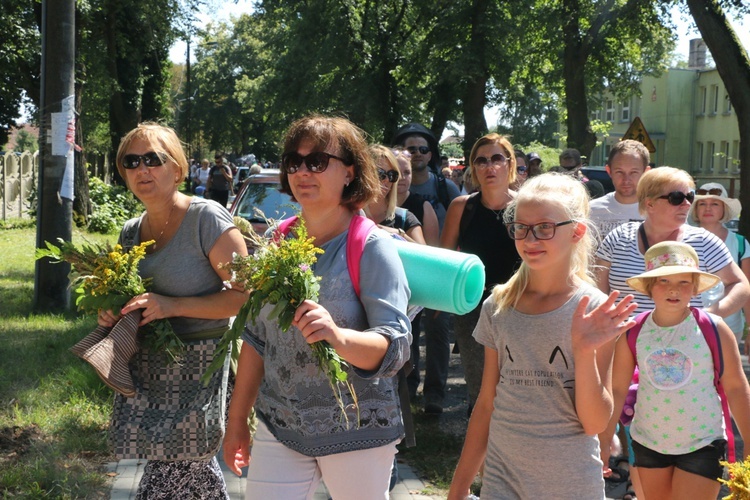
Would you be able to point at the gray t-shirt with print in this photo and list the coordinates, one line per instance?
(537, 447)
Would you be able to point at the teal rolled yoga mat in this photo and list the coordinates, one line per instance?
(442, 279)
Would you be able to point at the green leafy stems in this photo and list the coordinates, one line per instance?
(279, 272)
(106, 278)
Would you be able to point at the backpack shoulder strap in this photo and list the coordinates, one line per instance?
(632, 334)
(469, 210)
(442, 189)
(359, 228)
(711, 334)
(740, 247)
(400, 221)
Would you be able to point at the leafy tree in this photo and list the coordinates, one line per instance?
(26, 142)
(20, 59)
(580, 47)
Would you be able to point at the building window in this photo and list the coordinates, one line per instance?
(596, 114)
(609, 106)
(714, 99)
(727, 104)
(724, 160)
(710, 155)
(625, 115)
(702, 100)
(735, 157)
(698, 157)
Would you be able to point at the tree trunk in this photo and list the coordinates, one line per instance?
(575, 55)
(734, 68)
(475, 92)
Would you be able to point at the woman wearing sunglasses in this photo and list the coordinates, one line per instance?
(302, 437)
(474, 224)
(665, 196)
(383, 210)
(712, 208)
(173, 420)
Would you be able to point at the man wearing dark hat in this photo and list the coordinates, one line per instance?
(428, 182)
(570, 163)
(534, 162)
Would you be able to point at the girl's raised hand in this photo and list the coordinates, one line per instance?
(603, 324)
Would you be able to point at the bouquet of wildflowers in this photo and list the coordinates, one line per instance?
(739, 480)
(279, 272)
(106, 277)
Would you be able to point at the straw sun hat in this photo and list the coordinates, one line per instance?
(732, 207)
(672, 257)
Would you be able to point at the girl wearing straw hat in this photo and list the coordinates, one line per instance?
(712, 208)
(678, 427)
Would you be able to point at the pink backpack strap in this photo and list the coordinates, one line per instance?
(632, 335)
(285, 227)
(711, 334)
(359, 228)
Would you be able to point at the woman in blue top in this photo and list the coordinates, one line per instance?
(302, 436)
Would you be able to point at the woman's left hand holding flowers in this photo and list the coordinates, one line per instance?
(153, 305)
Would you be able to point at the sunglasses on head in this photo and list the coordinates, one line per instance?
(714, 191)
(677, 197)
(497, 159)
(391, 175)
(423, 150)
(316, 162)
(149, 159)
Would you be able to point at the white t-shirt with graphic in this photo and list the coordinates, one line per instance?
(608, 213)
(678, 410)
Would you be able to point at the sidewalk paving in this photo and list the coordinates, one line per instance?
(129, 474)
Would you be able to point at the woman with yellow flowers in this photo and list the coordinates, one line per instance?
(173, 420)
(303, 436)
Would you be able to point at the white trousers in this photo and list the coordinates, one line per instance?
(276, 471)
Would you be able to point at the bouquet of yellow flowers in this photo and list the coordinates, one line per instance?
(279, 272)
(106, 277)
(739, 480)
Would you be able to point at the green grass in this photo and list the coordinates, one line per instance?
(54, 410)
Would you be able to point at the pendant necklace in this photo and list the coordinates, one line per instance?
(169, 217)
(496, 212)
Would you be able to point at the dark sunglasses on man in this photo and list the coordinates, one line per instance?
(316, 162)
(677, 197)
(150, 159)
(423, 150)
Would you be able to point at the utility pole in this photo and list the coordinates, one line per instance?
(57, 140)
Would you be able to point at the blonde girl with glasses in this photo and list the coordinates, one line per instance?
(548, 335)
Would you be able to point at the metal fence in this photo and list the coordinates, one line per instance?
(18, 177)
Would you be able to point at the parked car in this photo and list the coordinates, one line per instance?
(239, 177)
(261, 192)
(600, 174)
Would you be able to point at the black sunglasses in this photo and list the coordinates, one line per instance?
(391, 175)
(497, 159)
(541, 231)
(714, 191)
(677, 197)
(423, 150)
(522, 170)
(316, 162)
(149, 159)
